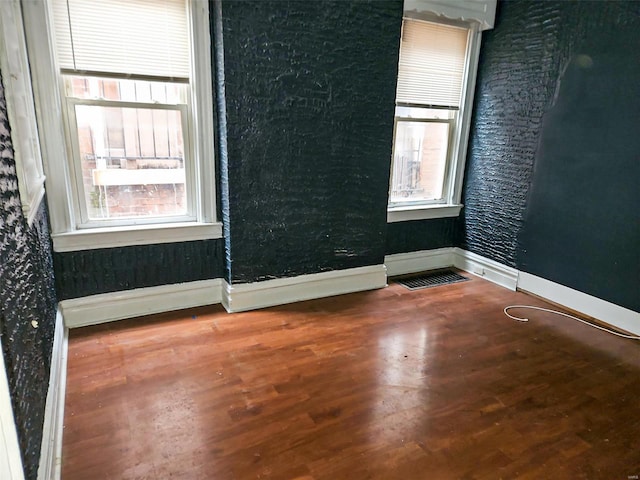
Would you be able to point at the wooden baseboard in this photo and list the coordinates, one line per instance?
(51, 447)
(107, 307)
(486, 268)
(251, 296)
(606, 312)
(425, 260)
(421, 261)
(583, 304)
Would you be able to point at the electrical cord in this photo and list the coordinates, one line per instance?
(519, 319)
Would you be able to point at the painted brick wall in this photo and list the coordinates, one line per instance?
(89, 272)
(516, 78)
(26, 295)
(552, 175)
(310, 90)
(421, 235)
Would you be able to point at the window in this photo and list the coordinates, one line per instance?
(436, 70)
(129, 159)
(133, 81)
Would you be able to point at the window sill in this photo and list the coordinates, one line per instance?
(135, 235)
(421, 212)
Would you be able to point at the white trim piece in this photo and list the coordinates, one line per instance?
(466, 103)
(481, 11)
(93, 238)
(251, 296)
(594, 307)
(10, 458)
(16, 77)
(48, 113)
(421, 261)
(486, 268)
(107, 307)
(203, 109)
(51, 448)
(421, 212)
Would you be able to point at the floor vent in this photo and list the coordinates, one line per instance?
(431, 279)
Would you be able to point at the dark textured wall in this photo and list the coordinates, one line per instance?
(518, 68)
(26, 295)
(89, 272)
(421, 235)
(310, 90)
(552, 174)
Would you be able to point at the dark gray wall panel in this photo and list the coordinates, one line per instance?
(26, 295)
(552, 175)
(516, 78)
(582, 227)
(89, 272)
(310, 90)
(421, 235)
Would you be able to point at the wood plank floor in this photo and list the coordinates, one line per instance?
(389, 384)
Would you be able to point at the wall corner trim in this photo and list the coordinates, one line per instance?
(51, 447)
(107, 307)
(425, 260)
(420, 261)
(486, 268)
(280, 291)
(607, 312)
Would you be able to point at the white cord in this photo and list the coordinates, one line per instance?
(632, 337)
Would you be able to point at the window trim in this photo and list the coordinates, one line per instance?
(19, 95)
(455, 173)
(49, 109)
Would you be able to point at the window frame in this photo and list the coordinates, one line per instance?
(68, 232)
(450, 205)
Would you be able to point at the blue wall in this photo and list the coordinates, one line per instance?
(305, 145)
(552, 175)
(310, 89)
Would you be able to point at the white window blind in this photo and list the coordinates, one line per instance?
(130, 37)
(431, 66)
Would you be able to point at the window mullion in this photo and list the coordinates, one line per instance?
(73, 161)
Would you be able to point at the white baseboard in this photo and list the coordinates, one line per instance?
(607, 312)
(610, 313)
(51, 447)
(488, 269)
(10, 457)
(250, 296)
(107, 307)
(425, 260)
(421, 261)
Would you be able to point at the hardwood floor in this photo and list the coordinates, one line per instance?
(389, 384)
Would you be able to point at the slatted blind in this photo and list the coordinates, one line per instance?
(431, 66)
(131, 37)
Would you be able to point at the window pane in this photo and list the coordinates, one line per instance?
(132, 161)
(425, 113)
(125, 90)
(419, 161)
